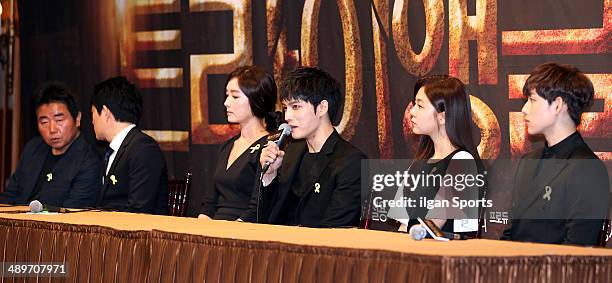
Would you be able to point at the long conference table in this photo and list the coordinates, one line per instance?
(126, 247)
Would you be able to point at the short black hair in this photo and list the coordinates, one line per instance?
(552, 80)
(121, 97)
(312, 85)
(260, 89)
(54, 91)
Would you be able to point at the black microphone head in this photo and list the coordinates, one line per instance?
(36, 206)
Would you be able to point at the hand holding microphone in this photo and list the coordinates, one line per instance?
(271, 156)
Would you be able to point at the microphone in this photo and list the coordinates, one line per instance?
(417, 232)
(37, 207)
(279, 138)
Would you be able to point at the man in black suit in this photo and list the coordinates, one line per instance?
(59, 168)
(561, 192)
(316, 181)
(134, 177)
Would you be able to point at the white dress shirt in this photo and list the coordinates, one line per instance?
(115, 144)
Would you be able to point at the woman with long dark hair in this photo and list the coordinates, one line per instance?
(441, 115)
(250, 102)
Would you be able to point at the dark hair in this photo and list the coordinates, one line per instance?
(121, 97)
(260, 88)
(551, 80)
(447, 94)
(312, 85)
(54, 91)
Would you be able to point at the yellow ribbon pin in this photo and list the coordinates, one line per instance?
(317, 188)
(113, 179)
(255, 148)
(49, 177)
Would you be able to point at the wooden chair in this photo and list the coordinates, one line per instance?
(606, 229)
(177, 198)
(603, 234)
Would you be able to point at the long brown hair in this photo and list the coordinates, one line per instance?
(447, 94)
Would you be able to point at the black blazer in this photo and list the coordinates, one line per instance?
(137, 180)
(337, 201)
(75, 181)
(577, 204)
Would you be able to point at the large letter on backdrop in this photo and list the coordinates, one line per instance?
(383, 108)
(202, 65)
(561, 41)
(352, 57)
(419, 64)
(490, 132)
(285, 60)
(483, 28)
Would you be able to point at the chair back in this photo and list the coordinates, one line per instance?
(604, 233)
(606, 230)
(177, 198)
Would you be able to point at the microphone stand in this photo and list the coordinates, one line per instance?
(259, 185)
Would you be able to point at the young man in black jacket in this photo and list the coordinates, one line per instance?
(561, 192)
(316, 181)
(134, 177)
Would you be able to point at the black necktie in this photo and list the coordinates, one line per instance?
(109, 151)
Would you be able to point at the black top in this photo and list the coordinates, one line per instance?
(299, 188)
(332, 191)
(427, 167)
(560, 150)
(75, 177)
(439, 167)
(563, 148)
(46, 174)
(232, 189)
